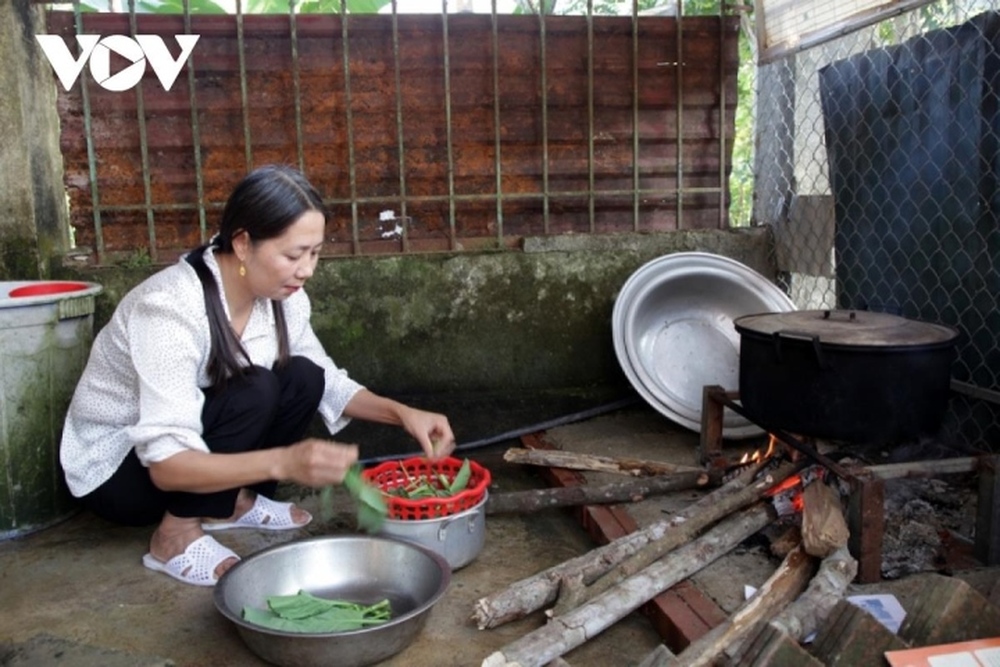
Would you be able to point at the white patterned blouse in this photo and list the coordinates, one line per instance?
(142, 386)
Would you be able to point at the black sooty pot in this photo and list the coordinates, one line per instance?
(860, 377)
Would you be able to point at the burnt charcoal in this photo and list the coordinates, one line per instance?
(921, 516)
(940, 494)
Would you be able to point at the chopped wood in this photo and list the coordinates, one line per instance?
(541, 589)
(787, 582)
(801, 618)
(557, 458)
(564, 633)
(632, 490)
(824, 529)
(571, 587)
(707, 511)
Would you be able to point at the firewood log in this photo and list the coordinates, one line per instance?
(801, 618)
(678, 535)
(564, 633)
(824, 528)
(632, 490)
(541, 589)
(781, 588)
(557, 458)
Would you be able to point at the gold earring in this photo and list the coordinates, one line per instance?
(243, 270)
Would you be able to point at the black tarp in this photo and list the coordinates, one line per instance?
(912, 138)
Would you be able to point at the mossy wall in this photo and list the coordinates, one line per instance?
(531, 320)
(34, 220)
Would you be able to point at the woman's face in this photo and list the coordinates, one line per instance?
(277, 268)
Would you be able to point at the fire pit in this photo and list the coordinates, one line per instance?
(866, 484)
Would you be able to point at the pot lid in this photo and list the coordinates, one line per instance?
(848, 327)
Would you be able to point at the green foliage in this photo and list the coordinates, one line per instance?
(246, 6)
(177, 7)
(741, 178)
(137, 259)
(701, 7)
(336, 7)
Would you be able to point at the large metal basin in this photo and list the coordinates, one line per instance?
(361, 569)
(674, 334)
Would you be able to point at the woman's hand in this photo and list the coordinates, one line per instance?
(431, 430)
(311, 462)
(314, 462)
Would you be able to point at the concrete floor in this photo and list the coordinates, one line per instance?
(76, 593)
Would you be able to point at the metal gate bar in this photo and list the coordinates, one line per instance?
(359, 201)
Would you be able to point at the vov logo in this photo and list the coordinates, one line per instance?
(98, 50)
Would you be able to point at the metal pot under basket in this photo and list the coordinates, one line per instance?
(457, 537)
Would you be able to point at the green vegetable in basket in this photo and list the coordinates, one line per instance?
(419, 487)
(461, 479)
(304, 612)
(372, 509)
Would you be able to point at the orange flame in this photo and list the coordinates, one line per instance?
(788, 483)
(798, 502)
(756, 455)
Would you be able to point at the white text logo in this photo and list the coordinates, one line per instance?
(98, 50)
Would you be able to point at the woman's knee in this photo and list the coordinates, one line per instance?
(260, 388)
(304, 378)
(244, 407)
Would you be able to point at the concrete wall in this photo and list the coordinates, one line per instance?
(508, 321)
(33, 216)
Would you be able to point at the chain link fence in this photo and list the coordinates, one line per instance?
(877, 166)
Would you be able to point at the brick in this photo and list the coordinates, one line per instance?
(766, 646)
(994, 594)
(851, 636)
(949, 610)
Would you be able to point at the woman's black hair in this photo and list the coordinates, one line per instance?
(264, 204)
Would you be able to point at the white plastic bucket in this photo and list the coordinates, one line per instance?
(46, 328)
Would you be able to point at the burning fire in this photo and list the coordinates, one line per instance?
(757, 456)
(787, 495)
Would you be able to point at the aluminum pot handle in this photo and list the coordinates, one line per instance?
(821, 361)
(470, 524)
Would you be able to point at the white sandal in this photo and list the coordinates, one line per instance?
(266, 514)
(196, 566)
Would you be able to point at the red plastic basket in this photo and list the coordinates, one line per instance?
(393, 474)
